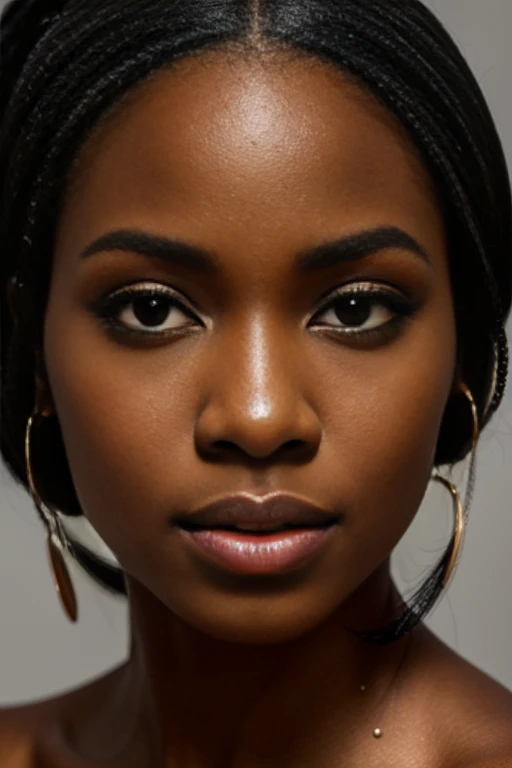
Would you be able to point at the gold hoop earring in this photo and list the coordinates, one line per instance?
(459, 527)
(56, 542)
(460, 516)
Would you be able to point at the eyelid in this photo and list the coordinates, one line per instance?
(147, 287)
(359, 288)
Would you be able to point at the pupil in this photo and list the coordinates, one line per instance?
(352, 311)
(151, 311)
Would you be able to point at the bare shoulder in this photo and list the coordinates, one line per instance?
(467, 710)
(14, 739)
(22, 726)
(18, 728)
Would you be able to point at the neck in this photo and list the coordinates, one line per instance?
(204, 702)
(211, 702)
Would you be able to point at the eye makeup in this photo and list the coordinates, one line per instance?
(352, 305)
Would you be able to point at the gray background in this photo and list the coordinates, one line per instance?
(41, 653)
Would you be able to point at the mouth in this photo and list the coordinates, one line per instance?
(246, 534)
(256, 530)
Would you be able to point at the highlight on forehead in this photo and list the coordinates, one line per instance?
(241, 59)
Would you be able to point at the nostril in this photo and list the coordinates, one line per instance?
(295, 444)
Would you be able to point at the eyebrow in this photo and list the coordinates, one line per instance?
(356, 246)
(348, 248)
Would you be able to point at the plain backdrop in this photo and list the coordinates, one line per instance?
(41, 653)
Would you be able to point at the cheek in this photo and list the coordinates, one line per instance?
(384, 436)
(126, 417)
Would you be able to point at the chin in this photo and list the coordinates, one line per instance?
(255, 619)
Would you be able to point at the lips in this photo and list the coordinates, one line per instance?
(245, 534)
(277, 511)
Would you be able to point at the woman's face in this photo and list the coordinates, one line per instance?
(262, 379)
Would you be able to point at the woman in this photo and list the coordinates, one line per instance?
(256, 269)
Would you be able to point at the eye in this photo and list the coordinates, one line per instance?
(147, 310)
(365, 309)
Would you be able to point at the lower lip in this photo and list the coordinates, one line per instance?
(270, 553)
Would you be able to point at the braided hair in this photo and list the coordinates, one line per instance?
(66, 64)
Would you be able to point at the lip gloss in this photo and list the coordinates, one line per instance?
(262, 553)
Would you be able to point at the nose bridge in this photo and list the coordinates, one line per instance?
(261, 371)
(257, 401)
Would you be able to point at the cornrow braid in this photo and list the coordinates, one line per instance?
(33, 17)
(66, 66)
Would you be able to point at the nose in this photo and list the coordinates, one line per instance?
(256, 405)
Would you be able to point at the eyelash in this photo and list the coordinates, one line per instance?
(108, 308)
(377, 295)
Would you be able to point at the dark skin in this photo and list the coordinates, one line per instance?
(258, 387)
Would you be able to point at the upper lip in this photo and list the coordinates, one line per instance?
(242, 510)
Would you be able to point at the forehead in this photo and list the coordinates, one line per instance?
(253, 141)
